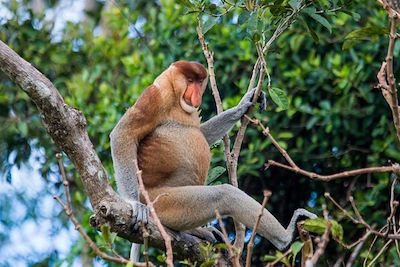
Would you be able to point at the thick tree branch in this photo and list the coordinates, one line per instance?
(66, 126)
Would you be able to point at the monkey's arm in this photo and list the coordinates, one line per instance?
(134, 125)
(215, 128)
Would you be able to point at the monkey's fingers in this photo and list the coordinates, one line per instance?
(140, 214)
(262, 100)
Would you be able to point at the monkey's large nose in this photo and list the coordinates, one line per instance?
(196, 99)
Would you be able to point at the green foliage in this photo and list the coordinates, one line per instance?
(214, 174)
(319, 225)
(279, 97)
(290, 259)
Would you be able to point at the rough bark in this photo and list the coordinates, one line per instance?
(66, 126)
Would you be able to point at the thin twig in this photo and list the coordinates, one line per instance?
(294, 168)
(393, 208)
(88, 240)
(232, 254)
(391, 79)
(356, 251)
(145, 194)
(60, 161)
(266, 132)
(307, 250)
(231, 157)
(345, 174)
(387, 81)
(68, 210)
(328, 196)
(239, 227)
(387, 7)
(145, 244)
(270, 264)
(380, 253)
(267, 195)
(324, 240)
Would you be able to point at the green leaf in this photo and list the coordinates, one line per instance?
(285, 135)
(296, 247)
(284, 260)
(23, 128)
(311, 122)
(310, 30)
(337, 230)
(208, 263)
(279, 96)
(269, 258)
(243, 17)
(318, 226)
(221, 246)
(129, 264)
(311, 11)
(214, 173)
(295, 4)
(366, 33)
(161, 257)
(106, 233)
(252, 23)
(315, 225)
(207, 22)
(186, 3)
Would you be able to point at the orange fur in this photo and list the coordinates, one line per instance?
(172, 151)
(162, 131)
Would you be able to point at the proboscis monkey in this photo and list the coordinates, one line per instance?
(163, 132)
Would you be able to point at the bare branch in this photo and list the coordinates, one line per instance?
(250, 245)
(356, 251)
(239, 227)
(307, 250)
(277, 260)
(345, 174)
(66, 126)
(232, 254)
(323, 242)
(68, 210)
(153, 213)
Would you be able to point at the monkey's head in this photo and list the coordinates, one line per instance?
(188, 80)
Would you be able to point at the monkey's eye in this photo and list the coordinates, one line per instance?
(190, 80)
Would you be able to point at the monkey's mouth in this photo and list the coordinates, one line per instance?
(188, 103)
(187, 106)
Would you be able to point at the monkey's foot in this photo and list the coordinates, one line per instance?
(140, 214)
(304, 214)
(210, 234)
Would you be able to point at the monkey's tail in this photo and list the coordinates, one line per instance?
(135, 252)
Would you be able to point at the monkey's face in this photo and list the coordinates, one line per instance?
(191, 84)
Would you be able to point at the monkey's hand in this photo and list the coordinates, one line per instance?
(140, 214)
(210, 234)
(245, 102)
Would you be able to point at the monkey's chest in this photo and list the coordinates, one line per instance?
(174, 155)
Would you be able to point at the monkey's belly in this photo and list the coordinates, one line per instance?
(174, 155)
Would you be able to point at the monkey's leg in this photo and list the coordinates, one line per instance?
(188, 207)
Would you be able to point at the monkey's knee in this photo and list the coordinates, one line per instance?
(230, 199)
